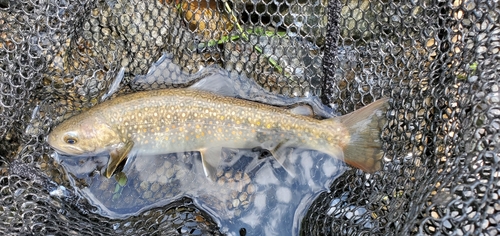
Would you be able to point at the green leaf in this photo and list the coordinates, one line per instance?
(121, 178)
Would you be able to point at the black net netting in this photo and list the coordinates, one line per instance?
(438, 61)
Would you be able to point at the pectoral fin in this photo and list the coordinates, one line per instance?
(210, 158)
(116, 157)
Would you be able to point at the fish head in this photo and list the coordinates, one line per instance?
(83, 135)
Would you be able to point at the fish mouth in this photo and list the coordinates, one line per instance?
(72, 151)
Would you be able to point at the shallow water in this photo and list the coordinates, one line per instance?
(251, 190)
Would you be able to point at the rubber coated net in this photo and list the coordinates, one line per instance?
(438, 61)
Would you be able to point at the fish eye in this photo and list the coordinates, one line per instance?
(70, 140)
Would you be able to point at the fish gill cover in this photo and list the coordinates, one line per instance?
(437, 61)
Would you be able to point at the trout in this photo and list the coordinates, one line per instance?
(181, 120)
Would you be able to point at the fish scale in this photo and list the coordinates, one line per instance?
(180, 120)
(207, 117)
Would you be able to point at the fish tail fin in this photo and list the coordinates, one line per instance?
(364, 150)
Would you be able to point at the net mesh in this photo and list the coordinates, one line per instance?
(437, 60)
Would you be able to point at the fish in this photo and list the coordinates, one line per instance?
(182, 120)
